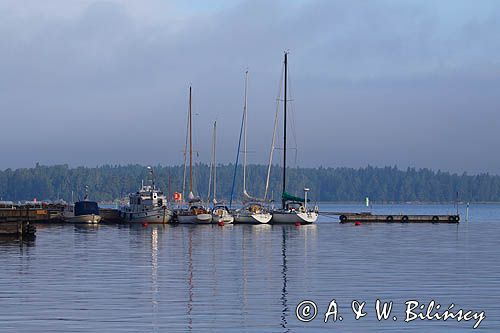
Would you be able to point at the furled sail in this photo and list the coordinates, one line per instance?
(288, 197)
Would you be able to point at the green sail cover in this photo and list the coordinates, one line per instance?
(288, 197)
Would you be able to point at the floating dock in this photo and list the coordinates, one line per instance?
(371, 218)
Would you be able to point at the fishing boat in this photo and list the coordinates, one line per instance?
(293, 209)
(196, 212)
(84, 211)
(254, 210)
(148, 205)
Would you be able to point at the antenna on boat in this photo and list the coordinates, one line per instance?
(152, 176)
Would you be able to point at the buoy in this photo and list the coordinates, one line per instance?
(221, 223)
(357, 223)
(297, 224)
(145, 224)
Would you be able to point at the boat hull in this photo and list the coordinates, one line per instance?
(84, 219)
(157, 216)
(228, 219)
(252, 218)
(281, 217)
(194, 219)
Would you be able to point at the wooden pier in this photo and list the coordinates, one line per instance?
(17, 228)
(370, 218)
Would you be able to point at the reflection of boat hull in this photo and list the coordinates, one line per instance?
(287, 217)
(257, 218)
(85, 219)
(160, 216)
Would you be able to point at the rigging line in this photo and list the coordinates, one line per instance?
(276, 122)
(236, 164)
(292, 117)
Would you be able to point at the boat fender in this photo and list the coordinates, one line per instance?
(451, 218)
(404, 218)
(342, 218)
(389, 218)
(435, 218)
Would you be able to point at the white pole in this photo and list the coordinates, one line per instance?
(467, 213)
(305, 198)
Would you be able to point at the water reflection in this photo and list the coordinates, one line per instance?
(190, 278)
(284, 270)
(242, 278)
(21, 241)
(154, 277)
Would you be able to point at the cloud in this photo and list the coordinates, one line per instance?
(379, 82)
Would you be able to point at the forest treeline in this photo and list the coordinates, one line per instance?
(387, 184)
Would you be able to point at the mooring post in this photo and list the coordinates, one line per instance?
(467, 213)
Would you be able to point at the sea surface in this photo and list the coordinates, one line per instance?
(119, 278)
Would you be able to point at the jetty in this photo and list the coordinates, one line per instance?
(378, 218)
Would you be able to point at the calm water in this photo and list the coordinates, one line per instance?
(250, 278)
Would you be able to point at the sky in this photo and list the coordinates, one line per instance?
(406, 83)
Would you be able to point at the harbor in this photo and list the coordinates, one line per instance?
(21, 218)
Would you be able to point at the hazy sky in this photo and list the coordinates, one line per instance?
(411, 83)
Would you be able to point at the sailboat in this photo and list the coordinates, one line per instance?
(220, 212)
(293, 209)
(253, 210)
(195, 212)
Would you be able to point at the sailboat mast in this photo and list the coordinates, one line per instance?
(215, 160)
(245, 137)
(284, 133)
(190, 146)
(185, 158)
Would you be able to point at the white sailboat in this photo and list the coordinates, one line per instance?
(195, 213)
(220, 213)
(293, 209)
(253, 210)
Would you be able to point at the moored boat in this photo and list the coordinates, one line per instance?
(293, 209)
(195, 212)
(83, 211)
(221, 214)
(148, 205)
(252, 213)
(254, 210)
